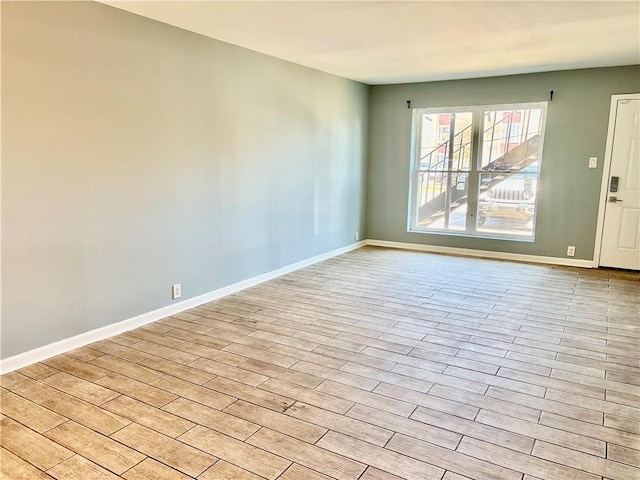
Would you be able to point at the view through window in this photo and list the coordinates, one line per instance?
(475, 170)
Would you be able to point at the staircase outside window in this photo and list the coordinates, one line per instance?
(475, 170)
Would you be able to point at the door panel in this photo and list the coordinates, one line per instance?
(633, 167)
(621, 233)
(629, 229)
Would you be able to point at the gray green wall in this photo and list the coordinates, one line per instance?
(136, 155)
(577, 121)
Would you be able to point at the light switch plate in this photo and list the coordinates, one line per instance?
(593, 162)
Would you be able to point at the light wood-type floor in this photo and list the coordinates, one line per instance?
(375, 365)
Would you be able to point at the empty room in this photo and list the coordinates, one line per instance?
(320, 240)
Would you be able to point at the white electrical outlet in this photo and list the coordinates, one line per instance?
(593, 162)
(176, 291)
(571, 251)
(357, 236)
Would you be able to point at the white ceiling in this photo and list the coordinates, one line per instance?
(381, 42)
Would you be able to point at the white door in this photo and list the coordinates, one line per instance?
(621, 233)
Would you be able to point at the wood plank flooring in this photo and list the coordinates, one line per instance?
(375, 365)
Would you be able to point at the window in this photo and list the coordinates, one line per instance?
(475, 170)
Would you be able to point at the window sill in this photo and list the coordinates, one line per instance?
(483, 236)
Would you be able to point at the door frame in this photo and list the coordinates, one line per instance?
(606, 170)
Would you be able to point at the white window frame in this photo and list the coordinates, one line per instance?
(474, 173)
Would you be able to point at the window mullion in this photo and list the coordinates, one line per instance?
(415, 172)
(449, 170)
(474, 178)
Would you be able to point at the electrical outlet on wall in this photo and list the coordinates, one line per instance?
(176, 291)
(357, 236)
(571, 251)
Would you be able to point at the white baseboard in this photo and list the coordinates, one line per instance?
(42, 353)
(519, 257)
(36, 355)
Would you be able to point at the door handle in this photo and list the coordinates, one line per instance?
(613, 199)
